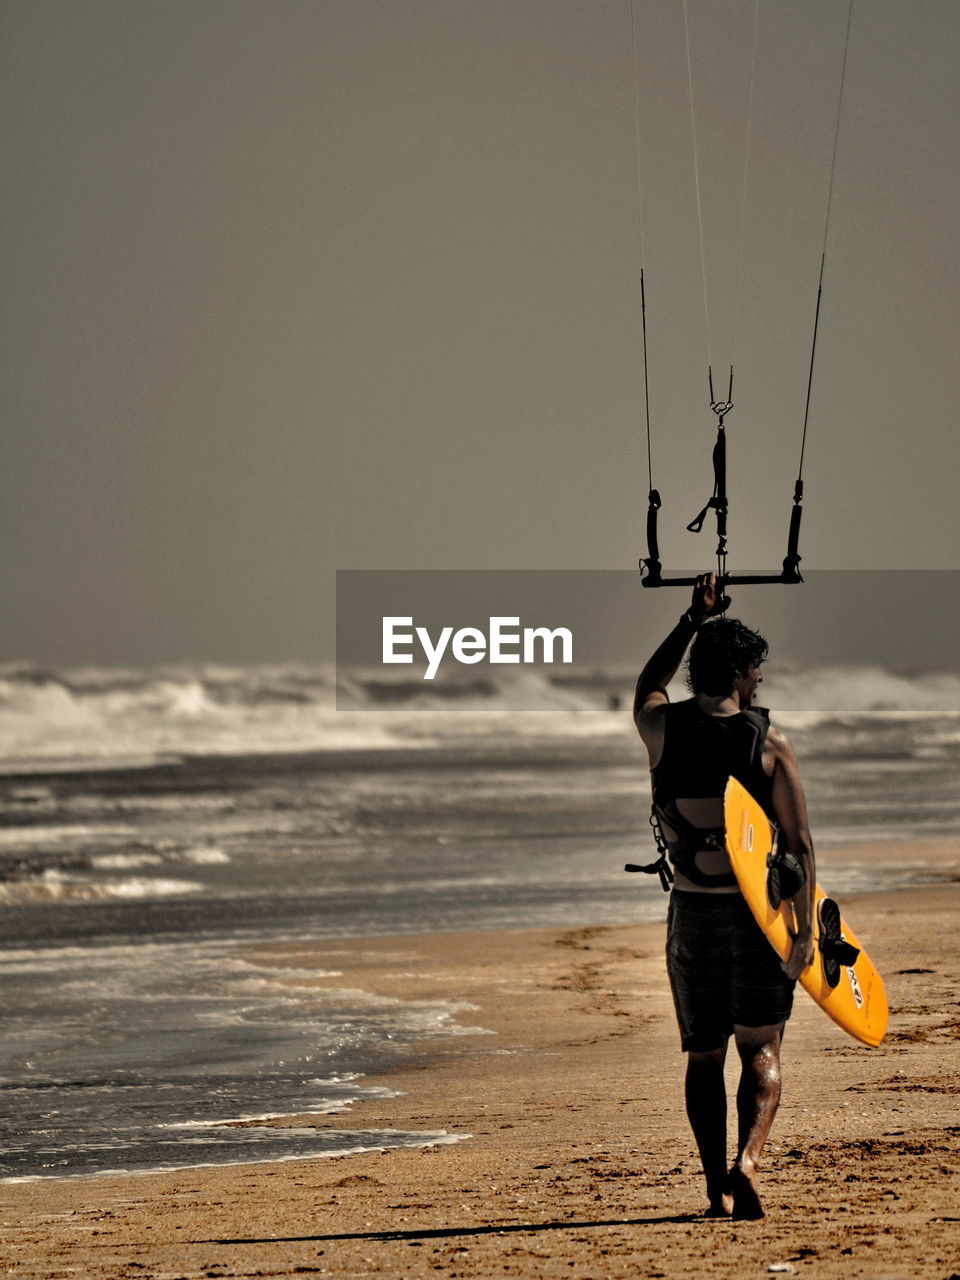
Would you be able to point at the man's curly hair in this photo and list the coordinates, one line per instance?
(723, 650)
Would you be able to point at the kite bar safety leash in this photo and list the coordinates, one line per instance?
(718, 500)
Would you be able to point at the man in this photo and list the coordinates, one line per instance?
(725, 977)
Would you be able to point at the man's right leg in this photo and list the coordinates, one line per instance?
(706, 1098)
(757, 1100)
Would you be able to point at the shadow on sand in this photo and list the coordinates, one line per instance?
(441, 1233)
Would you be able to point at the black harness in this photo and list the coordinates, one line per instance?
(690, 840)
(702, 754)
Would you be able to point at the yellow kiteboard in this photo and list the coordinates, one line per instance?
(849, 990)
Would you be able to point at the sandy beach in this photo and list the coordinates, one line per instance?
(575, 1158)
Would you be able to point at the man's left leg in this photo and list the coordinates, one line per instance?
(706, 1099)
(757, 1100)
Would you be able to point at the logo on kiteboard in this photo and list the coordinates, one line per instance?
(855, 988)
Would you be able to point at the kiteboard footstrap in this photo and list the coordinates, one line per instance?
(785, 873)
(834, 948)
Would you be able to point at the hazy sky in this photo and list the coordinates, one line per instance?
(298, 286)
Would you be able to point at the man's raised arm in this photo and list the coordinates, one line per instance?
(665, 661)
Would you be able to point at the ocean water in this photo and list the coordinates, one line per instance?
(157, 826)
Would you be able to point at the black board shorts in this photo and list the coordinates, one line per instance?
(722, 969)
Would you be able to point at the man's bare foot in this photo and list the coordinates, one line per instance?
(720, 1196)
(746, 1200)
(722, 1208)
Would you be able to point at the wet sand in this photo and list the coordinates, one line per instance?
(579, 1161)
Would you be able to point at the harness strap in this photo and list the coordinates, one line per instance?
(661, 867)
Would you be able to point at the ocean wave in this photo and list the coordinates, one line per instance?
(199, 856)
(861, 690)
(124, 861)
(105, 718)
(70, 834)
(53, 721)
(55, 886)
(336, 1144)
